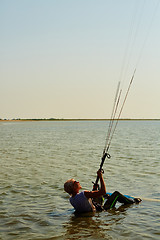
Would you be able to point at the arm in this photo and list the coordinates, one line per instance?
(97, 193)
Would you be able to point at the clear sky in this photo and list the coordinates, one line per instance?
(64, 58)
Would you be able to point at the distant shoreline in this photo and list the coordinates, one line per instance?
(54, 119)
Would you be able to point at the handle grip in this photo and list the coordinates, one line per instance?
(101, 165)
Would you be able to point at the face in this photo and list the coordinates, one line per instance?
(76, 185)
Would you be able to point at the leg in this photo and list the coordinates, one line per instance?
(116, 196)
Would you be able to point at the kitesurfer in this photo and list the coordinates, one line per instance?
(83, 201)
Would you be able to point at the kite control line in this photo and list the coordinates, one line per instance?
(113, 124)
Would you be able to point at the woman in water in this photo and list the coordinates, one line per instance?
(83, 201)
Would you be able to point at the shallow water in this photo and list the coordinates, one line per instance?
(38, 157)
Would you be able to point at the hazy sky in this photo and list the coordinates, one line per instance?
(64, 58)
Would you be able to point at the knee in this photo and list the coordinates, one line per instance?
(116, 193)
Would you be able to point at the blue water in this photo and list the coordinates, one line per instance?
(38, 157)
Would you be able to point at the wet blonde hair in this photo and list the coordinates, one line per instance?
(68, 186)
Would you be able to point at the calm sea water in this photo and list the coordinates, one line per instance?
(38, 157)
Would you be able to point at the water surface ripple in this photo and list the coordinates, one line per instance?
(38, 157)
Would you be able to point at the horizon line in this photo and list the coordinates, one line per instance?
(79, 119)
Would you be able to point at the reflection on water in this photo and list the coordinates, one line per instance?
(81, 227)
(92, 225)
